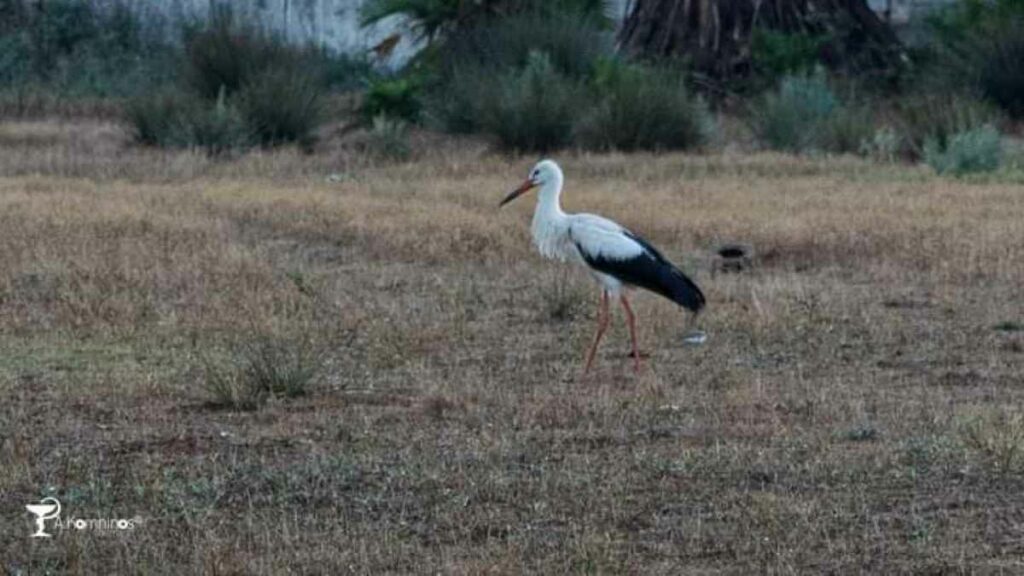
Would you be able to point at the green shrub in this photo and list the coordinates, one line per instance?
(847, 130)
(959, 20)
(793, 117)
(15, 58)
(341, 71)
(999, 61)
(216, 129)
(976, 150)
(472, 62)
(936, 116)
(491, 73)
(535, 108)
(388, 138)
(283, 104)
(643, 109)
(574, 43)
(994, 440)
(460, 104)
(78, 50)
(883, 146)
(240, 87)
(393, 97)
(223, 55)
(172, 119)
(775, 54)
(158, 118)
(981, 43)
(257, 370)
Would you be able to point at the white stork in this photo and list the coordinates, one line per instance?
(616, 257)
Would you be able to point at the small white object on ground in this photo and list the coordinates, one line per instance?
(695, 338)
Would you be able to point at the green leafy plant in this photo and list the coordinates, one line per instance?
(775, 54)
(224, 55)
(216, 129)
(981, 43)
(998, 58)
(75, 49)
(157, 118)
(883, 146)
(937, 116)
(283, 104)
(255, 370)
(474, 63)
(995, 441)
(976, 150)
(394, 97)
(573, 42)
(535, 109)
(642, 108)
(389, 138)
(847, 130)
(462, 101)
(792, 117)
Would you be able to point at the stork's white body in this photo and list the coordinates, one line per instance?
(616, 257)
(562, 236)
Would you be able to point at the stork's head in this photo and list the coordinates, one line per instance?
(544, 173)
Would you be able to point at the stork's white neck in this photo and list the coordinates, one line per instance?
(549, 221)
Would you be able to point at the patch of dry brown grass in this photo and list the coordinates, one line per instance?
(855, 409)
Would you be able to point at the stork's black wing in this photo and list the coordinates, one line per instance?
(649, 270)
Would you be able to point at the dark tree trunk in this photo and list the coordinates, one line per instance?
(715, 35)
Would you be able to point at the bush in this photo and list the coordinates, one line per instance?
(937, 116)
(283, 104)
(535, 108)
(175, 120)
(475, 62)
(460, 104)
(976, 150)
(75, 49)
(573, 42)
(341, 71)
(393, 97)
(848, 130)
(240, 87)
(775, 54)
(223, 55)
(257, 370)
(999, 61)
(793, 117)
(643, 109)
(982, 44)
(217, 129)
(883, 146)
(388, 138)
(15, 58)
(157, 117)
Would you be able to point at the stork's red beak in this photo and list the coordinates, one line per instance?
(525, 187)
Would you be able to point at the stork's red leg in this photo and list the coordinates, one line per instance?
(602, 324)
(631, 321)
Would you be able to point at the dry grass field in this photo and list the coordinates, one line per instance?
(856, 408)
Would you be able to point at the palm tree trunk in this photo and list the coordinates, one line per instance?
(715, 35)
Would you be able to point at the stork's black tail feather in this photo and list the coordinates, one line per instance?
(684, 291)
(652, 271)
